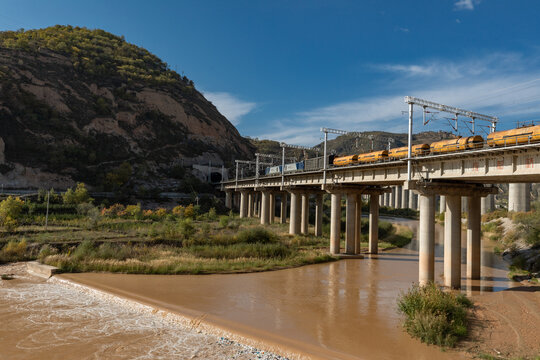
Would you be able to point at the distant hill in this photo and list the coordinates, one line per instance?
(350, 144)
(353, 144)
(85, 105)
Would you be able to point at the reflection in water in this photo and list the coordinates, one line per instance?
(347, 308)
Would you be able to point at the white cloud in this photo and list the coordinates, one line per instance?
(230, 106)
(465, 4)
(485, 85)
(405, 30)
(443, 69)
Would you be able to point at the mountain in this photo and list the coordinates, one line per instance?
(85, 105)
(352, 144)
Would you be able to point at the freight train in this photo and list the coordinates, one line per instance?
(519, 136)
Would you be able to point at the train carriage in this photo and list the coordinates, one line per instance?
(523, 135)
(403, 152)
(346, 160)
(373, 156)
(458, 144)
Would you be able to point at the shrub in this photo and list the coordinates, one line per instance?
(115, 210)
(46, 250)
(256, 235)
(77, 196)
(14, 250)
(211, 215)
(187, 230)
(160, 213)
(84, 208)
(86, 249)
(499, 213)
(224, 221)
(148, 213)
(236, 251)
(434, 316)
(134, 211)
(178, 211)
(10, 212)
(189, 211)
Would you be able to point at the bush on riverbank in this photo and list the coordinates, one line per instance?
(128, 238)
(434, 316)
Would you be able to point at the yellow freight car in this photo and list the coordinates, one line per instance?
(346, 160)
(458, 144)
(373, 156)
(523, 135)
(402, 152)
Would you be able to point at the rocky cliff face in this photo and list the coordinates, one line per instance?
(60, 124)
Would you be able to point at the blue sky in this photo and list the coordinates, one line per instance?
(282, 69)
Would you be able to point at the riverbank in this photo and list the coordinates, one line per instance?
(505, 324)
(176, 246)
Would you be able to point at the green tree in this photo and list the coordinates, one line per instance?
(10, 212)
(78, 196)
(120, 176)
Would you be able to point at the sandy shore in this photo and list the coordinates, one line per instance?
(507, 323)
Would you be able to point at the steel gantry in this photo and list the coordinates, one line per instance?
(283, 147)
(425, 104)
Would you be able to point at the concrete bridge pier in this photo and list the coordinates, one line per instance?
(350, 226)
(272, 208)
(413, 200)
(519, 197)
(358, 225)
(228, 199)
(335, 223)
(243, 203)
(393, 197)
(464, 204)
(250, 205)
(373, 224)
(404, 198)
(235, 200)
(451, 195)
(283, 208)
(442, 204)
(487, 204)
(318, 214)
(294, 224)
(381, 200)
(255, 205)
(473, 238)
(398, 195)
(452, 242)
(304, 227)
(265, 207)
(426, 239)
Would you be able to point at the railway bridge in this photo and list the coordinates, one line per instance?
(468, 174)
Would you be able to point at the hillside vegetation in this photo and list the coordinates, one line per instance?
(95, 52)
(85, 105)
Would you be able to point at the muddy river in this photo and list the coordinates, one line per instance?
(342, 310)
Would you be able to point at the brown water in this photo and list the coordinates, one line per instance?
(341, 310)
(50, 320)
(345, 309)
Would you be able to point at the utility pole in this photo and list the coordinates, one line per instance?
(283, 146)
(327, 131)
(47, 213)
